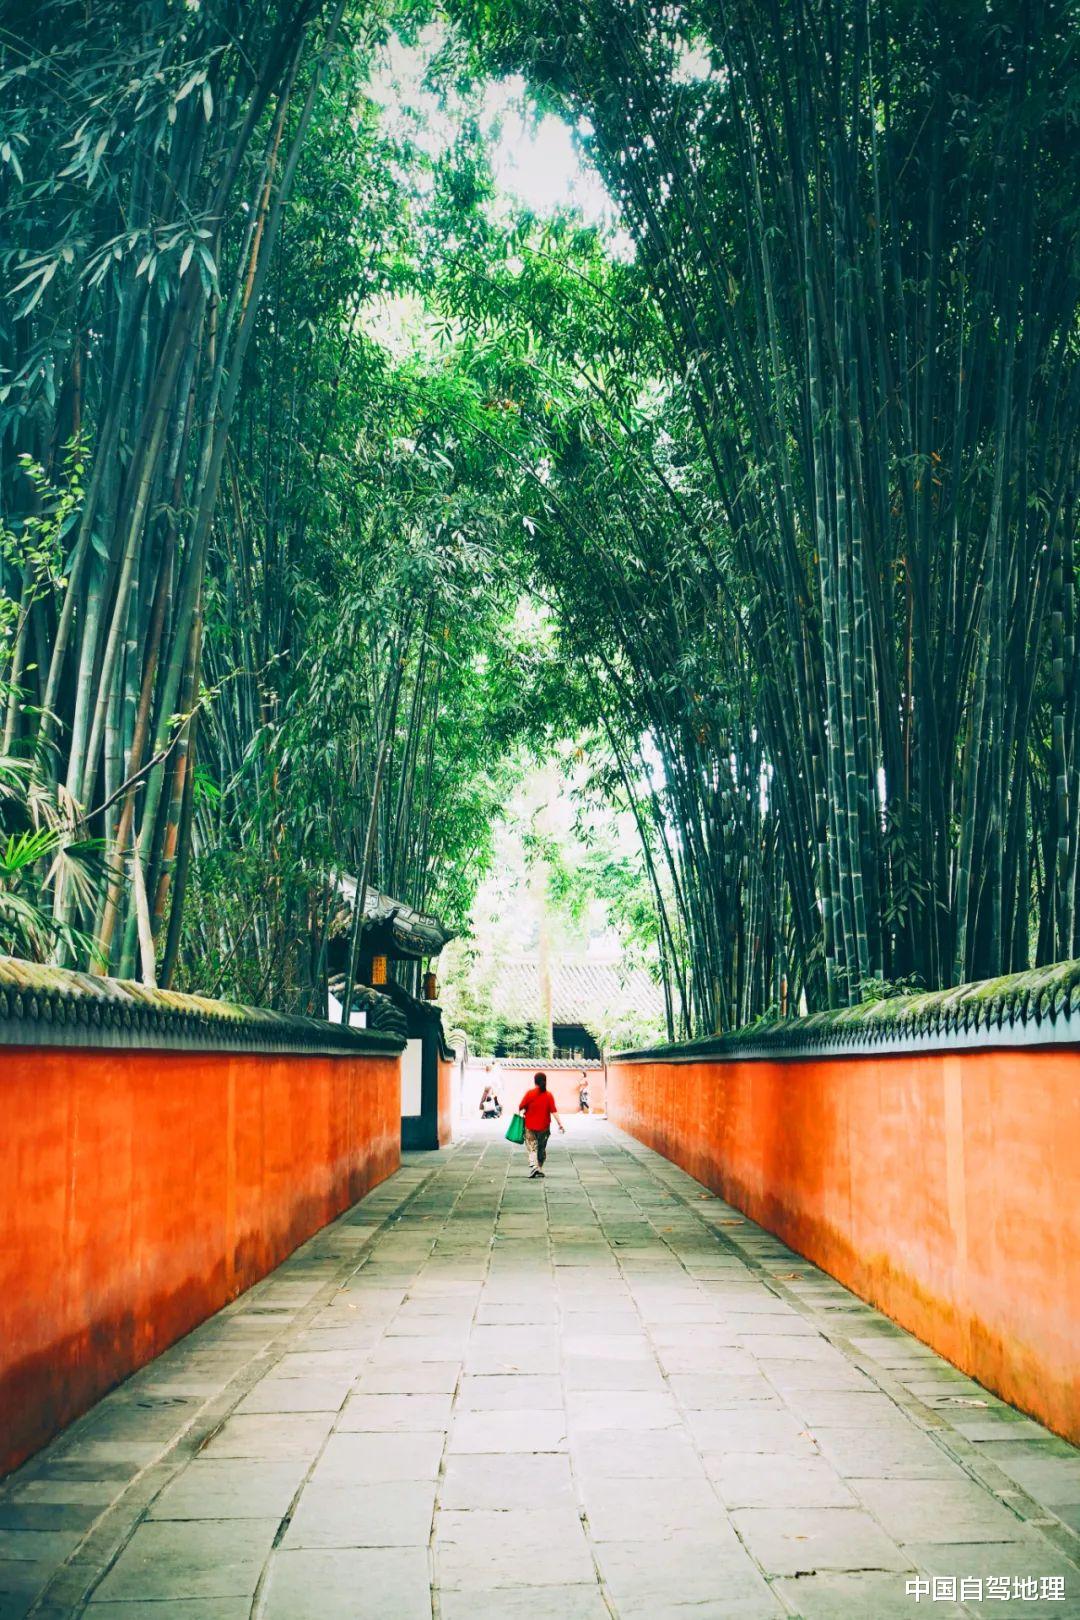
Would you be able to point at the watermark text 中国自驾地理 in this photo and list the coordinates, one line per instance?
(980, 1588)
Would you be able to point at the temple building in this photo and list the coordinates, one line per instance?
(395, 987)
(569, 1002)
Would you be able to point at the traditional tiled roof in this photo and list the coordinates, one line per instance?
(405, 931)
(1037, 1008)
(55, 1007)
(581, 991)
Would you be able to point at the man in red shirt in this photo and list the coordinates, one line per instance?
(538, 1106)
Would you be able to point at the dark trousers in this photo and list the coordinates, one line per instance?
(536, 1142)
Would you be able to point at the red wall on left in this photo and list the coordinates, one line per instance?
(143, 1190)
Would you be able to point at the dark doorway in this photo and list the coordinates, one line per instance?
(573, 1040)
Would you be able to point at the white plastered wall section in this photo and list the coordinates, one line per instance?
(411, 1093)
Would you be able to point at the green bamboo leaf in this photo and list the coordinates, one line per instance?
(188, 86)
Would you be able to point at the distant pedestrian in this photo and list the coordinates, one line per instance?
(538, 1106)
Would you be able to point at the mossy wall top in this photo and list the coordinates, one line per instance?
(1037, 1008)
(49, 1006)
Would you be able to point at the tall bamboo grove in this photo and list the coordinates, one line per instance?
(860, 228)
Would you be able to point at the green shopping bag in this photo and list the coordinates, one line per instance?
(515, 1131)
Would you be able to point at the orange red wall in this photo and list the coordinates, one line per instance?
(943, 1188)
(147, 1189)
(446, 1101)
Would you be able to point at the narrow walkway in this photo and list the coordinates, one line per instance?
(477, 1397)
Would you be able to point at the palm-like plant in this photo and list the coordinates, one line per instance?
(46, 847)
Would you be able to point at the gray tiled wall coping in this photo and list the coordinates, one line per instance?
(1037, 1008)
(47, 1006)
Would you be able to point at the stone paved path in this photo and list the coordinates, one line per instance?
(477, 1397)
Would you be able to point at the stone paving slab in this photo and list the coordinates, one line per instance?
(193, 1558)
(603, 1396)
(354, 1583)
(389, 1514)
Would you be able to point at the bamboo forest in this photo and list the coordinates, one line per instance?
(342, 484)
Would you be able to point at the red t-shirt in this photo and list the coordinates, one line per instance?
(539, 1107)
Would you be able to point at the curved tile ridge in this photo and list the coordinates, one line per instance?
(543, 1063)
(381, 1011)
(1038, 1008)
(50, 1006)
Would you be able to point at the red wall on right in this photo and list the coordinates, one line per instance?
(942, 1187)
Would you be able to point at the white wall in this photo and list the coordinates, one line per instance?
(357, 1018)
(411, 1092)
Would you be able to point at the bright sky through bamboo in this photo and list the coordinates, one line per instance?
(535, 159)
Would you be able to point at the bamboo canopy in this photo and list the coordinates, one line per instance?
(794, 473)
(836, 596)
